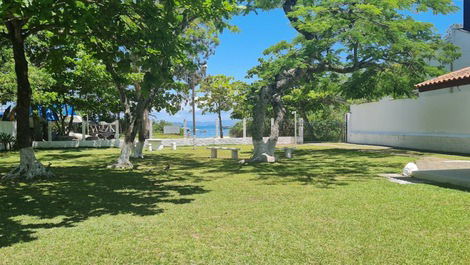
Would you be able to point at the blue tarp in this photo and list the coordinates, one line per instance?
(50, 116)
(66, 110)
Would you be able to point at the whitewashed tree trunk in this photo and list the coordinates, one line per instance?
(132, 116)
(143, 127)
(124, 158)
(264, 151)
(138, 150)
(30, 168)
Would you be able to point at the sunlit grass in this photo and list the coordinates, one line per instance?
(327, 205)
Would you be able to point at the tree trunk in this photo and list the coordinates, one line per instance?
(261, 149)
(37, 128)
(45, 125)
(29, 167)
(134, 121)
(264, 151)
(144, 134)
(127, 148)
(70, 126)
(221, 129)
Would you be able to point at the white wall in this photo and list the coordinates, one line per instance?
(460, 38)
(8, 127)
(436, 121)
(221, 141)
(165, 142)
(76, 144)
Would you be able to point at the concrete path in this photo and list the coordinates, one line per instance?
(455, 172)
(398, 178)
(350, 146)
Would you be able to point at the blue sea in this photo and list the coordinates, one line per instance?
(208, 129)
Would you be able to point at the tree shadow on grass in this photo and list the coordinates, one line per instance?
(325, 168)
(84, 191)
(81, 192)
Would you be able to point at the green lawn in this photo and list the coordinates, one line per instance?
(166, 136)
(325, 206)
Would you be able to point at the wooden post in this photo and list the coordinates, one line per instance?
(301, 131)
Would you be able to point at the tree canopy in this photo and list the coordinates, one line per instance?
(375, 46)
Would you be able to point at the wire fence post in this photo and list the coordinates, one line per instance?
(295, 127)
(301, 131)
(244, 128)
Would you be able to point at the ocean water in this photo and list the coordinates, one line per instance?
(208, 129)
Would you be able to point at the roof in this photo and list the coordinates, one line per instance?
(457, 78)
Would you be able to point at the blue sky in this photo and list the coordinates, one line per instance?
(239, 52)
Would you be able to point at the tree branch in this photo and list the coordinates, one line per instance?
(37, 29)
(288, 7)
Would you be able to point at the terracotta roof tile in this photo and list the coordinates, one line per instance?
(457, 78)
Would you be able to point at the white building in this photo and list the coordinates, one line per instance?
(437, 120)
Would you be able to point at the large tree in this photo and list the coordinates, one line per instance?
(317, 98)
(378, 47)
(218, 94)
(143, 47)
(21, 20)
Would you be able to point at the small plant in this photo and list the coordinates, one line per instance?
(7, 140)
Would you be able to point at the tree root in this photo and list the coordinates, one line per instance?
(263, 158)
(122, 165)
(29, 172)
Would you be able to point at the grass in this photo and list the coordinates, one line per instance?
(166, 136)
(325, 206)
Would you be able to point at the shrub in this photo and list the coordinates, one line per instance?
(158, 126)
(326, 130)
(7, 140)
(286, 128)
(237, 130)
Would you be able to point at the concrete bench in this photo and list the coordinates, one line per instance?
(159, 143)
(151, 143)
(216, 148)
(288, 151)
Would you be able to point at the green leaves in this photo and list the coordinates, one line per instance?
(219, 93)
(380, 49)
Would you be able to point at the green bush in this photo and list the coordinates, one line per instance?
(7, 140)
(286, 128)
(158, 126)
(326, 130)
(329, 129)
(237, 130)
